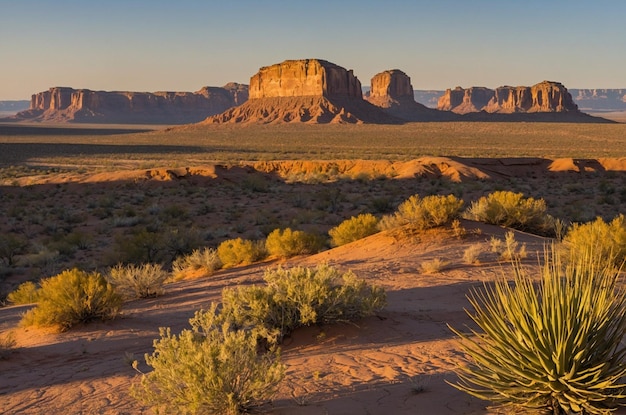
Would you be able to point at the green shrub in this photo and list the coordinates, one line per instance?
(353, 229)
(205, 259)
(299, 297)
(512, 210)
(239, 251)
(26, 293)
(73, 297)
(287, 243)
(606, 240)
(138, 281)
(210, 369)
(11, 245)
(426, 213)
(555, 347)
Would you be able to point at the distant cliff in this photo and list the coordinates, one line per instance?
(8, 108)
(543, 97)
(600, 99)
(392, 91)
(63, 104)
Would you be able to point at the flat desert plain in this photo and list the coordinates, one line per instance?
(86, 198)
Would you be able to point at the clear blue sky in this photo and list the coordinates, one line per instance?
(155, 45)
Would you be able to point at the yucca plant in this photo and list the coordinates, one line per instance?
(555, 346)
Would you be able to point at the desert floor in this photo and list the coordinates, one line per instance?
(397, 362)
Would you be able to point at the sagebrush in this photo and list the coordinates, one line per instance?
(512, 210)
(209, 369)
(300, 296)
(286, 243)
(25, 293)
(73, 297)
(353, 229)
(233, 252)
(605, 240)
(205, 259)
(138, 281)
(424, 213)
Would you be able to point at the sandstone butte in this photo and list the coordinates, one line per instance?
(545, 96)
(307, 91)
(392, 91)
(64, 104)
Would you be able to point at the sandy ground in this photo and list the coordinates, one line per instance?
(397, 362)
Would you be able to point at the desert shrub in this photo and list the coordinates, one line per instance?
(426, 213)
(353, 229)
(555, 347)
(508, 249)
(140, 246)
(205, 259)
(239, 251)
(472, 254)
(73, 297)
(137, 281)
(299, 297)
(287, 243)
(606, 240)
(512, 210)
(11, 245)
(25, 293)
(433, 266)
(209, 369)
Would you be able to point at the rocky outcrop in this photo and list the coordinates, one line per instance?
(63, 104)
(463, 101)
(392, 91)
(600, 99)
(306, 77)
(304, 91)
(543, 97)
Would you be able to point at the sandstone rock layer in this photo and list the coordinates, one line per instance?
(306, 77)
(392, 91)
(63, 104)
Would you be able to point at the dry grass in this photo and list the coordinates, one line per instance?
(229, 143)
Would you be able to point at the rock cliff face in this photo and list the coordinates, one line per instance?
(393, 84)
(62, 104)
(304, 91)
(392, 91)
(306, 77)
(542, 97)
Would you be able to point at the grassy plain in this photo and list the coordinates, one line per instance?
(104, 149)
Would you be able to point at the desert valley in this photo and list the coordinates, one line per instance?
(96, 180)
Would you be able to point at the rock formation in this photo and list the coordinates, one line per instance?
(63, 104)
(392, 91)
(307, 90)
(542, 97)
(600, 99)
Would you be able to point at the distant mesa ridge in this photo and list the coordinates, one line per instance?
(315, 91)
(545, 96)
(64, 104)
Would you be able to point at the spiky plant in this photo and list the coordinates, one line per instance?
(555, 346)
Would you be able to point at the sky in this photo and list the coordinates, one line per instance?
(183, 45)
